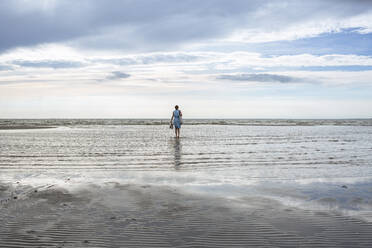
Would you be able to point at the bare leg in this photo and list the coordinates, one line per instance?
(175, 131)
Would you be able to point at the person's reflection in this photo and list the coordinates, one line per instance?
(177, 147)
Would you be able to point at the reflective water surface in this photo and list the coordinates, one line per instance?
(313, 165)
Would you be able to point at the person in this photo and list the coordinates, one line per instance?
(176, 120)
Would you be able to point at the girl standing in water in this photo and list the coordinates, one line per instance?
(177, 120)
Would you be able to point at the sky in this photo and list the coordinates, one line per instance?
(214, 58)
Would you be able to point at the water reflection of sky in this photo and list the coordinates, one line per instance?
(177, 151)
(304, 166)
(350, 198)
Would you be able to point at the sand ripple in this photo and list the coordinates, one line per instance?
(131, 216)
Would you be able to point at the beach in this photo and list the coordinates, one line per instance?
(115, 215)
(185, 124)
(224, 183)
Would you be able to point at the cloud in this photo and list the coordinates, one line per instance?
(187, 49)
(56, 64)
(151, 58)
(148, 25)
(260, 78)
(5, 67)
(117, 75)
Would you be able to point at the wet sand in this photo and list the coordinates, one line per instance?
(117, 215)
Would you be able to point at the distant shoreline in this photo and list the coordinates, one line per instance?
(12, 124)
(291, 119)
(12, 127)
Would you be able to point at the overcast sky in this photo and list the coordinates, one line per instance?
(214, 58)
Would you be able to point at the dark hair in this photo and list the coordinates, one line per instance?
(176, 107)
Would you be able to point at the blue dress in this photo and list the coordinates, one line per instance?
(176, 119)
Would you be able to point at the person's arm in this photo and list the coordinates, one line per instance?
(172, 118)
(181, 117)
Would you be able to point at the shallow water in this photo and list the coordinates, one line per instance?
(317, 165)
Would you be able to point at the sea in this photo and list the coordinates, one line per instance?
(322, 164)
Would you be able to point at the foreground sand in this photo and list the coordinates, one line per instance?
(115, 215)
